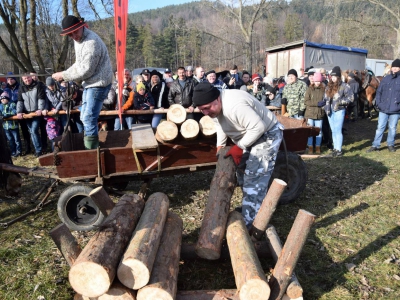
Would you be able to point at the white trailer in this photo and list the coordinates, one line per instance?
(303, 54)
(377, 65)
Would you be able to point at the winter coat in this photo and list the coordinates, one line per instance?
(13, 91)
(179, 95)
(237, 84)
(219, 84)
(9, 110)
(343, 97)
(259, 95)
(143, 102)
(160, 94)
(354, 86)
(54, 99)
(314, 95)
(388, 94)
(294, 93)
(31, 98)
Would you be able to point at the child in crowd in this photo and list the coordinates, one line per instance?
(142, 100)
(11, 128)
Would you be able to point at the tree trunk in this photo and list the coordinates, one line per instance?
(249, 276)
(135, 268)
(208, 295)
(267, 208)
(207, 127)
(117, 291)
(164, 276)
(66, 243)
(94, 271)
(102, 200)
(294, 289)
(290, 254)
(216, 212)
(176, 114)
(190, 129)
(166, 132)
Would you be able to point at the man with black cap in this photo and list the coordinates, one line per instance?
(256, 133)
(293, 96)
(93, 68)
(388, 101)
(146, 78)
(167, 73)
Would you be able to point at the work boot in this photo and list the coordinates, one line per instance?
(372, 149)
(391, 149)
(310, 149)
(317, 149)
(91, 142)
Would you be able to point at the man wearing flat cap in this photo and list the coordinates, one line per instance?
(256, 133)
(93, 69)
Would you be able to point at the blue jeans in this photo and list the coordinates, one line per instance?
(92, 102)
(156, 120)
(336, 119)
(318, 138)
(33, 126)
(128, 121)
(383, 120)
(14, 140)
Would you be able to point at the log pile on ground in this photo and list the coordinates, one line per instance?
(136, 252)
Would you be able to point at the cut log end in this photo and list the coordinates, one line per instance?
(133, 274)
(153, 293)
(166, 131)
(190, 129)
(255, 289)
(207, 126)
(176, 114)
(93, 283)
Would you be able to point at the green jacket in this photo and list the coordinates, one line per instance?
(313, 96)
(294, 93)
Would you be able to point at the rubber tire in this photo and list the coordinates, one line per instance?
(296, 179)
(70, 194)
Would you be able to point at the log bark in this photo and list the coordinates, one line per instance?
(208, 295)
(176, 114)
(207, 127)
(166, 132)
(216, 212)
(135, 268)
(102, 200)
(66, 243)
(249, 276)
(290, 254)
(190, 129)
(267, 208)
(94, 271)
(117, 291)
(164, 276)
(294, 289)
(188, 251)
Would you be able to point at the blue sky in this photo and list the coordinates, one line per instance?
(140, 5)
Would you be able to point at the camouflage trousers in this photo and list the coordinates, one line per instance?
(255, 171)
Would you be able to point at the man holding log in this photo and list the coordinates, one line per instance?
(257, 136)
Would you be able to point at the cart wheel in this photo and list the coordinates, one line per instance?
(77, 210)
(295, 175)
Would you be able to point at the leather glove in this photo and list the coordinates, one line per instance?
(321, 103)
(284, 101)
(236, 154)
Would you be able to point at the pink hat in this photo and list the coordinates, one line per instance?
(317, 77)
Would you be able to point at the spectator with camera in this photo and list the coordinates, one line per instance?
(257, 89)
(233, 80)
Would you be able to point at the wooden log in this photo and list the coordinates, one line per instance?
(94, 271)
(294, 289)
(190, 129)
(66, 243)
(207, 127)
(249, 276)
(176, 114)
(117, 291)
(102, 200)
(137, 262)
(164, 276)
(188, 251)
(216, 212)
(208, 295)
(290, 254)
(267, 208)
(166, 132)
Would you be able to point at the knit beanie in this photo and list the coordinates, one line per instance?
(209, 72)
(204, 93)
(140, 86)
(5, 95)
(50, 81)
(293, 72)
(255, 76)
(9, 75)
(317, 77)
(336, 72)
(396, 63)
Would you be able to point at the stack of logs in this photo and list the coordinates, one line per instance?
(136, 252)
(189, 129)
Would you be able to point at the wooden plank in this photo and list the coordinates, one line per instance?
(143, 137)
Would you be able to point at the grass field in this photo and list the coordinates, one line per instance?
(352, 251)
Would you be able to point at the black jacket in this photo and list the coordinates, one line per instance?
(160, 94)
(179, 95)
